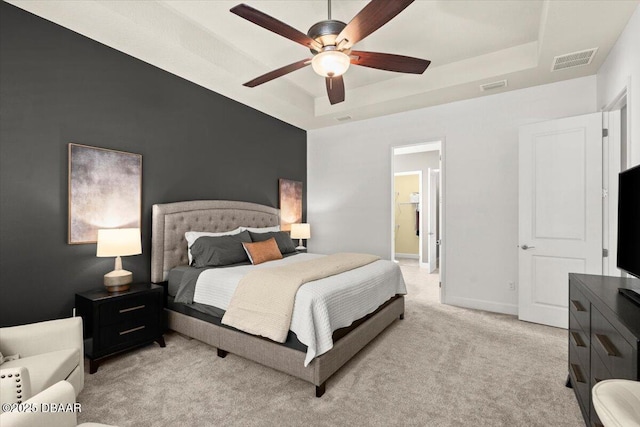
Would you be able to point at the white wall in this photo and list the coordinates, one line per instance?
(621, 67)
(349, 169)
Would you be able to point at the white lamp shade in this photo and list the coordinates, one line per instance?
(119, 242)
(330, 63)
(300, 231)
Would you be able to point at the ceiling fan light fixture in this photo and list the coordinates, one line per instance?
(331, 63)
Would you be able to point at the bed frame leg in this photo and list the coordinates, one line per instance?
(222, 354)
(320, 389)
(402, 316)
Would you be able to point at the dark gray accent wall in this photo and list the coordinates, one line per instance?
(56, 87)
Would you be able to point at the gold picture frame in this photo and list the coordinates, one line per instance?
(290, 195)
(104, 191)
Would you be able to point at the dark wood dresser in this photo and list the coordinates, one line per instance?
(604, 333)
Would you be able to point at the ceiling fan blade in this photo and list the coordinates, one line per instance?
(272, 24)
(389, 62)
(278, 73)
(373, 16)
(335, 89)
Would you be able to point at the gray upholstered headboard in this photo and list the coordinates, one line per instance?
(172, 220)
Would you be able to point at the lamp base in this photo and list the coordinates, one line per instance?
(300, 248)
(118, 280)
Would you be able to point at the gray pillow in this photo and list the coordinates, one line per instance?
(285, 244)
(209, 251)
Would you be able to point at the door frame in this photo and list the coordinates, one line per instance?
(611, 166)
(443, 199)
(433, 206)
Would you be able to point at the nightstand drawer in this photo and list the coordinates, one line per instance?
(126, 309)
(127, 333)
(615, 352)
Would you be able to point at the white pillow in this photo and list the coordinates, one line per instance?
(261, 230)
(192, 236)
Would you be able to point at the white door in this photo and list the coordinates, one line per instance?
(432, 206)
(560, 213)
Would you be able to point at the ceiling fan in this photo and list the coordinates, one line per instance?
(331, 41)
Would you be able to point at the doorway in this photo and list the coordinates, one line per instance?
(417, 207)
(408, 235)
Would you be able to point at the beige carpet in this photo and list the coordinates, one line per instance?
(441, 366)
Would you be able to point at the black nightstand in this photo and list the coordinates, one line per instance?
(117, 322)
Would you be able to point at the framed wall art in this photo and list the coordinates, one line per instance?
(290, 203)
(105, 191)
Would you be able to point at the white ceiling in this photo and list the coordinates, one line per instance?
(468, 42)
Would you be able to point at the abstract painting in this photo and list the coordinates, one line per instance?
(105, 189)
(290, 203)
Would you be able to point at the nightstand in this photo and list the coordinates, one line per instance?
(118, 322)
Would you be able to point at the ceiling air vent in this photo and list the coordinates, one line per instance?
(575, 59)
(493, 85)
(343, 119)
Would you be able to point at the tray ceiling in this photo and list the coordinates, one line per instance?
(470, 43)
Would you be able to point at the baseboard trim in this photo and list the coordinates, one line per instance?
(495, 307)
(412, 256)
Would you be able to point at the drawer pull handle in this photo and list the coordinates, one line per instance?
(576, 373)
(577, 305)
(128, 331)
(577, 339)
(606, 345)
(137, 307)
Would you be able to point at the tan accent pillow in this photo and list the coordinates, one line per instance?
(264, 251)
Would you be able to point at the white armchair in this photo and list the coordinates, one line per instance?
(49, 352)
(61, 393)
(617, 402)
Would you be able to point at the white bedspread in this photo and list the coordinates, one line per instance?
(321, 306)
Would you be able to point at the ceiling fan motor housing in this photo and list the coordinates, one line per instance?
(325, 32)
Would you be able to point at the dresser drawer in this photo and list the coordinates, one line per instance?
(579, 306)
(128, 333)
(126, 309)
(579, 340)
(599, 371)
(595, 420)
(615, 352)
(579, 374)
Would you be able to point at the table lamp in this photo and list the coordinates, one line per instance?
(300, 231)
(118, 242)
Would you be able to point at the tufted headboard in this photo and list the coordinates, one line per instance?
(172, 220)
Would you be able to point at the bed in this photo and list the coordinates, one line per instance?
(169, 254)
